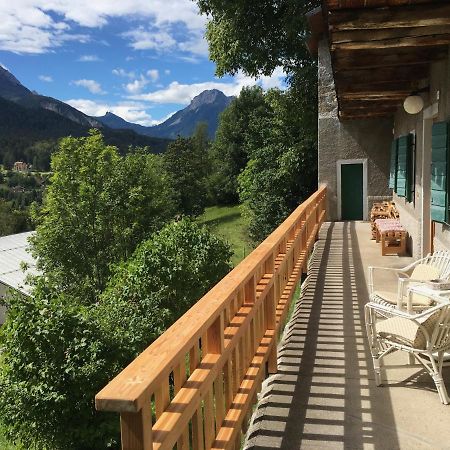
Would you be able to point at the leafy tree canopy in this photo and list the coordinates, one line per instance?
(186, 161)
(228, 152)
(165, 277)
(97, 209)
(57, 353)
(281, 171)
(258, 36)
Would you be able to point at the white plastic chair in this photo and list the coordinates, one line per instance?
(426, 336)
(436, 265)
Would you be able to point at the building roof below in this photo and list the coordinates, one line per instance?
(14, 252)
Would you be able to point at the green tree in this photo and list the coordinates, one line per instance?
(97, 209)
(166, 275)
(228, 152)
(257, 37)
(55, 357)
(281, 171)
(58, 353)
(186, 162)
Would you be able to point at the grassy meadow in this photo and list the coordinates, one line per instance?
(228, 223)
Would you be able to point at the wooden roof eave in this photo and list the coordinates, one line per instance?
(400, 42)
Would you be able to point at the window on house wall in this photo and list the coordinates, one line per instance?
(440, 144)
(412, 170)
(404, 173)
(393, 169)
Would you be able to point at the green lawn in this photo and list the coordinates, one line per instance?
(227, 222)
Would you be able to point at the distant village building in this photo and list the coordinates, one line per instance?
(20, 166)
(13, 252)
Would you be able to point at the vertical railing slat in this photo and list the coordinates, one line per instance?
(136, 429)
(197, 419)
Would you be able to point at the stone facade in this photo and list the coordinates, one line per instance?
(368, 139)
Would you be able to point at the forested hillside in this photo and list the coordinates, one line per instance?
(26, 132)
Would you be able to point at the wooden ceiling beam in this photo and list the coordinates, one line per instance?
(345, 61)
(370, 88)
(412, 42)
(366, 115)
(374, 96)
(383, 103)
(339, 37)
(363, 109)
(384, 74)
(391, 17)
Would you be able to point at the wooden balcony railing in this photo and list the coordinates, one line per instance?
(194, 387)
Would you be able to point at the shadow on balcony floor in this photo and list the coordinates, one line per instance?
(324, 395)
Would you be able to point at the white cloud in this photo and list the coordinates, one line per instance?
(91, 85)
(167, 71)
(88, 58)
(131, 111)
(38, 26)
(153, 74)
(138, 81)
(178, 93)
(142, 39)
(46, 78)
(136, 86)
(123, 73)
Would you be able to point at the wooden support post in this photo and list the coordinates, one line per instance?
(271, 321)
(136, 429)
(197, 419)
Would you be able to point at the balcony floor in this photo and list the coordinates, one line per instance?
(324, 395)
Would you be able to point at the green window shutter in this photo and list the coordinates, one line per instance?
(393, 170)
(409, 142)
(439, 172)
(403, 165)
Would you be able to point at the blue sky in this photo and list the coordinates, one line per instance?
(141, 59)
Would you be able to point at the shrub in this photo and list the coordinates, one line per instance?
(166, 275)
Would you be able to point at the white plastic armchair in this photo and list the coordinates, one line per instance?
(436, 265)
(426, 336)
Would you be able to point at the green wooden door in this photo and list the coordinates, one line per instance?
(352, 191)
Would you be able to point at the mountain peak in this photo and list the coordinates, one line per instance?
(205, 107)
(8, 76)
(207, 97)
(10, 87)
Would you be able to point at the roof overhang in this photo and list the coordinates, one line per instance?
(381, 50)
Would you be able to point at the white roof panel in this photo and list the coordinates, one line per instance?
(14, 251)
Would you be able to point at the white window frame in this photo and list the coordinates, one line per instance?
(339, 164)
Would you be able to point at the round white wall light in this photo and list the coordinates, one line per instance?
(413, 104)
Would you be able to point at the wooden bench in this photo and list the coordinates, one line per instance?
(392, 235)
(384, 210)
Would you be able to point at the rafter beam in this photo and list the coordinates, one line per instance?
(345, 61)
(367, 115)
(421, 41)
(339, 37)
(392, 17)
(369, 96)
(383, 74)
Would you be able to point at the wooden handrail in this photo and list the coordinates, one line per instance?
(218, 353)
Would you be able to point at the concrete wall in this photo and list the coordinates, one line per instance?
(356, 139)
(415, 215)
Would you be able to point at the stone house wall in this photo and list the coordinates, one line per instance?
(356, 139)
